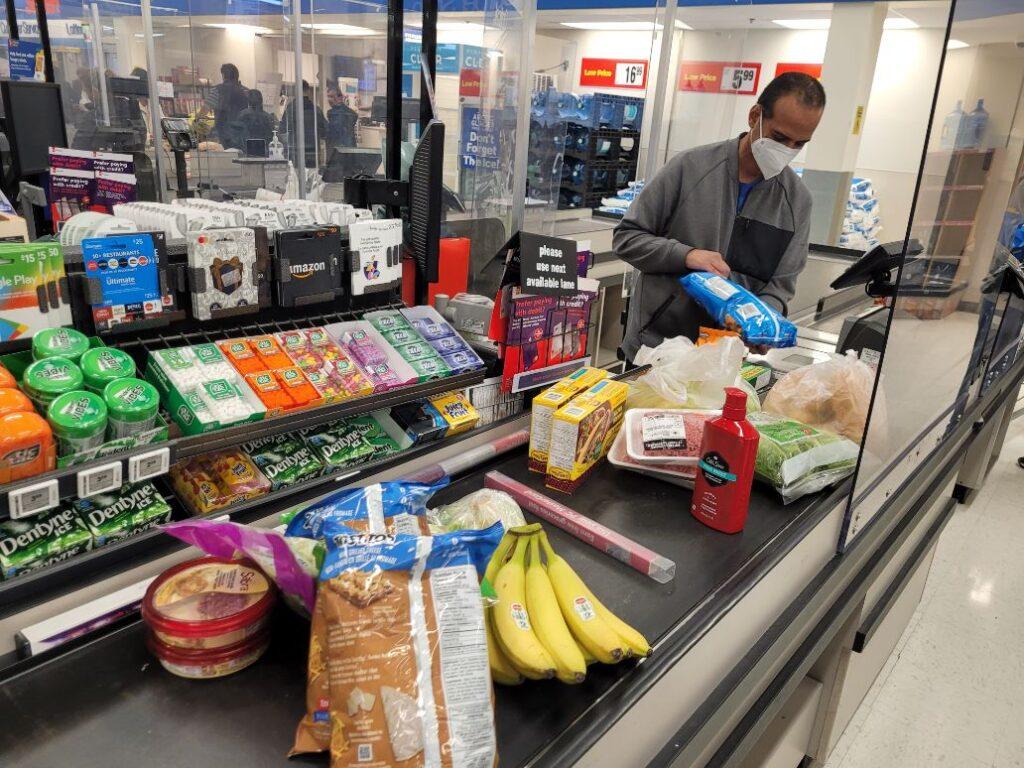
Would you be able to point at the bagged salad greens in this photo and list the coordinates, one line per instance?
(797, 459)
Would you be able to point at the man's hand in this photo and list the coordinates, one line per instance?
(707, 261)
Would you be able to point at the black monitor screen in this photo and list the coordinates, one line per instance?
(34, 121)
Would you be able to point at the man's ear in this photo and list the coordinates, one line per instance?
(753, 115)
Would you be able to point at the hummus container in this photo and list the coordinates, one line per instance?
(45, 380)
(212, 603)
(79, 422)
(102, 365)
(132, 405)
(59, 342)
(206, 664)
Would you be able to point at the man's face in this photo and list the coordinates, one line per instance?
(792, 122)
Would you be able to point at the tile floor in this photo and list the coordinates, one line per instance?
(952, 692)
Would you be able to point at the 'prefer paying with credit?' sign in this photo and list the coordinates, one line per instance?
(547, 265)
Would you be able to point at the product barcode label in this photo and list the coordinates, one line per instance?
(364, 753)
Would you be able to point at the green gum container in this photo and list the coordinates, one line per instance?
(132, 405)
(59, 342)
(45, 380)
(102, 365)
(79, 421)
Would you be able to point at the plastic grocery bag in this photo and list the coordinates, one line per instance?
(737, 309)
(684, 375)
(833, 395)
(797, 459)
(292, 565)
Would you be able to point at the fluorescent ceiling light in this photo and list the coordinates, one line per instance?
(893, 22)
(492, 54)
(155, 34)
(803, 23)
(343, 30)
(250, 29)
(952, 45)
(620, 26)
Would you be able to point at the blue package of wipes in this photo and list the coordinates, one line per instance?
(737, 309)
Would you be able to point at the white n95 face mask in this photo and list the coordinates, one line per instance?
(771, 156)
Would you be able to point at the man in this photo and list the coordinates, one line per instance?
(314, 127)
(341, 121)
(734, 208)
(253, 122)
(228, 100)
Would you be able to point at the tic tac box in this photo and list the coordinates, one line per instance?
(548, 402)
(308, 265)
(582, 432)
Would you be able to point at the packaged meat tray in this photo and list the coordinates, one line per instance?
(670, 473)
(665, 435)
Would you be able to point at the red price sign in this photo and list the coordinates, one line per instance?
(614, 73)
(720, 77)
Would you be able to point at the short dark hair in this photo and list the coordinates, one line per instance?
(255, 97)
(807, 90)
(229, 72)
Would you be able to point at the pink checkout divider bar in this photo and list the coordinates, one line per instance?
(622, 548)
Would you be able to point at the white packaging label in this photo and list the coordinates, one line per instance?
(663, 431)
(722, 288)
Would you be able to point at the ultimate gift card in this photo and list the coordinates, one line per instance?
(125, 278)
(222, 268)
(307, 265)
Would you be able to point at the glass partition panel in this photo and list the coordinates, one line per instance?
(950, 321)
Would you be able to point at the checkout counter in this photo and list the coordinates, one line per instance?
(764, 643)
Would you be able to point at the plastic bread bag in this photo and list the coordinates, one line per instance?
(684, 375)
(479, 509)
(396, 508)
(291, 565)
(414, 601)
(833, 395)
(797, 459)
(738, 309)
(406, 502)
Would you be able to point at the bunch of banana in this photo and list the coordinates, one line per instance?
(546, 623)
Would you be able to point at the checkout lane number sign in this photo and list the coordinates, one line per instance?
(614, 73)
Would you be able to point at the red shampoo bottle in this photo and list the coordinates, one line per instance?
(721, 494)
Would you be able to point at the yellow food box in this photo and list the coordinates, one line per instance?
(456, 409)
(582, 432)
(550, 400)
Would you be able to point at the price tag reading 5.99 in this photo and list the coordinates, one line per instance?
(631, 74)
(740, 79)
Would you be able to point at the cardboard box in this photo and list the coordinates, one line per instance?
(548, 402)
(582, 432)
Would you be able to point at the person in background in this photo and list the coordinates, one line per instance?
(253, 122)
(228, 100)
(341, 121)
(314, 127)
(143, 105)
(734, 208)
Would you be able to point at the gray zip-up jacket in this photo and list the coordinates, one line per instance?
(691, 203)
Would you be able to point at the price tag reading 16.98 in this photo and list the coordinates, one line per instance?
(630, 74)
(739, 79)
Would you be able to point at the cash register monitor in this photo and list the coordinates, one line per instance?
(34, 122)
